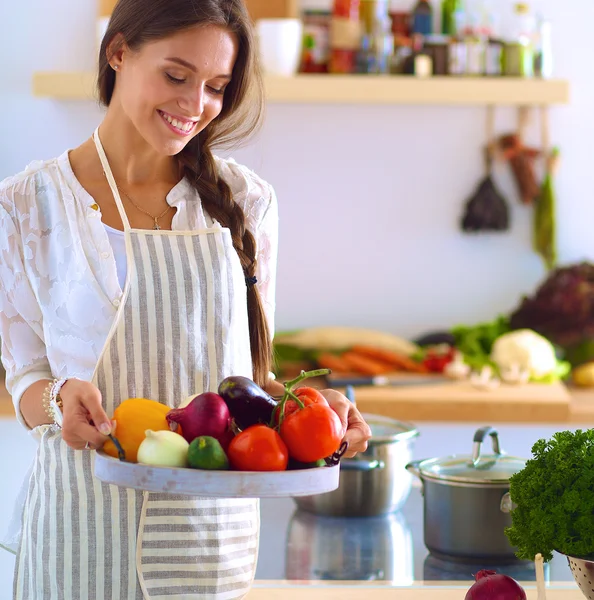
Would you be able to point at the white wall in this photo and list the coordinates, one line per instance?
(369, 198)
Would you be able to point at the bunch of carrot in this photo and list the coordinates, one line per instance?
(367, 360)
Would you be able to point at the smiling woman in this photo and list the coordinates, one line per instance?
(139, 265)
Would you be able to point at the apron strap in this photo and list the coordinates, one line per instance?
(111, 180)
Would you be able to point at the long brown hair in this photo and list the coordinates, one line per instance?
(142, 21)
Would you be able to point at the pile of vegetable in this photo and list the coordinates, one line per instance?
(241, 427)
(343, 350)
(554, 498)
(562, 310)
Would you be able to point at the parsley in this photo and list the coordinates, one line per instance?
(554, 495)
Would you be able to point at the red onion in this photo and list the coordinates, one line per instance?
(491, 586)
(206, 414)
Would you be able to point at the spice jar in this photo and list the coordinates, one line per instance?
(316, 41)
(345, 36)
(437, 47)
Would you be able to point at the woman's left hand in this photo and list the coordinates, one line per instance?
(355, 430)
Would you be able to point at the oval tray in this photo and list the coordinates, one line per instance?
(216, 484)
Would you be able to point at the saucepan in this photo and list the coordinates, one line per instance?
(376, 481)
(467, 504)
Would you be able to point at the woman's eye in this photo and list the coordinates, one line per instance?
(174, 79)
(219, 91)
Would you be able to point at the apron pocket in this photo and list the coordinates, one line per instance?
(197, 547)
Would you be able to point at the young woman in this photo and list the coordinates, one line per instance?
(140, 265)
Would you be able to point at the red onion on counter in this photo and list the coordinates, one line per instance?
(492, 586)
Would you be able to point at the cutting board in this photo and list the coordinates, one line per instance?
(462, 402)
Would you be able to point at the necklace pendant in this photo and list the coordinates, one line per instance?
(156, 227)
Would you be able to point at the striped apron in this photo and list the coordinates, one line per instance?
(181, 328)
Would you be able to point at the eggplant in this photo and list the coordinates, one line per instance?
(248, 403)
(436, 338)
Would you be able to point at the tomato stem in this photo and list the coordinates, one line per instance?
(289, 385)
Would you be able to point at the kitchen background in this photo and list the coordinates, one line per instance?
(370, 198)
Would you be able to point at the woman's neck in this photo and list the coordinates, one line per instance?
(132, 160)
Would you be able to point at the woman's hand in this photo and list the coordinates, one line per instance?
(81, 406)
(356, 431)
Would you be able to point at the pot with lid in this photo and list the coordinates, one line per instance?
(374, 482)
(467, 504)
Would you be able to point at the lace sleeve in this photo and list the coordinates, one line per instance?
(21, 328)
(267, 252)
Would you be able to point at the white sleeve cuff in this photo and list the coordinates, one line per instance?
(20, 387)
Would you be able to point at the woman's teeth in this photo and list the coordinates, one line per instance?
(186, 127)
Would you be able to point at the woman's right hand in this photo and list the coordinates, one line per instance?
(84, 420)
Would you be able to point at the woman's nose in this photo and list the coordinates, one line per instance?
(193, 102)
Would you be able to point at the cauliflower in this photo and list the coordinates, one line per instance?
(525, 350)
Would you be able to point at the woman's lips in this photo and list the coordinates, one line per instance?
(177, 125)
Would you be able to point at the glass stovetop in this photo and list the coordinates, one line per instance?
(298, 546)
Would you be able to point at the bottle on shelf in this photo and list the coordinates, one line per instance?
(419, 63)
(518, 52)
(422, 18)
(543, 56)
(452, 15)
(345, 36)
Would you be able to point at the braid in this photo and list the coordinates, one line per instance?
(200, 169)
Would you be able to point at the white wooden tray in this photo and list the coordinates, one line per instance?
(216, 484)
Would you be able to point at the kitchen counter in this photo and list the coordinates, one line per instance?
(355, 592)
(581, 409)
(297, 546)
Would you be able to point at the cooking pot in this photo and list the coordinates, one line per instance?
(374, 482)
(467, 504)
(347, 549)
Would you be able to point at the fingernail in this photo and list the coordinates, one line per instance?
(105, 428)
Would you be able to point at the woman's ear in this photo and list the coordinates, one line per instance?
(116, 49)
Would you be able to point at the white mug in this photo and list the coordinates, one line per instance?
(280, 43)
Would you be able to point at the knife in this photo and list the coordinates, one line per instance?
(385, 381)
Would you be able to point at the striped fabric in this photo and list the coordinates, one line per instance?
(181, 329)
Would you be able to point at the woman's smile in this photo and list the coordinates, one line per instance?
(179, 125)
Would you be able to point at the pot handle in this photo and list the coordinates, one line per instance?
(479, 438)
(413, 467)
(507, 505)
(362, 465)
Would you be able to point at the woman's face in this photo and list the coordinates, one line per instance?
(173, 88)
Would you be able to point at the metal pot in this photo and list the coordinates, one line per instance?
(467, 503)
(375, 482)
(366, 549)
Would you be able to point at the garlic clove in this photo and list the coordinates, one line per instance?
(485, 380)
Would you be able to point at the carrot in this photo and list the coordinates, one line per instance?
(332, 362)
(397, 361)
(365, 365)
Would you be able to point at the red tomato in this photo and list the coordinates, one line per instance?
(312, 433)
(307, 395)
(258, 448)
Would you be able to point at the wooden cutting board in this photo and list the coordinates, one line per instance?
(462, 402)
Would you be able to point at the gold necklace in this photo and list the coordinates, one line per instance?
(155, 219)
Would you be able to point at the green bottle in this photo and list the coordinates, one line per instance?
(451, 10)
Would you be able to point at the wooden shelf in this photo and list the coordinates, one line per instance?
(357, 89)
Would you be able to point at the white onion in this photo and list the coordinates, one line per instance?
(163, 449)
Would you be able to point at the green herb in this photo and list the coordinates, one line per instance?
(476, 342)
(554, 498)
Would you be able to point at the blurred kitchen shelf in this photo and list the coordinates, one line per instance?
(357, 89)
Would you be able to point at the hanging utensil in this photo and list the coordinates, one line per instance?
(487, 210)
(545, 227)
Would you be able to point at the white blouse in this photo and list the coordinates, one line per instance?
(59, 287)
